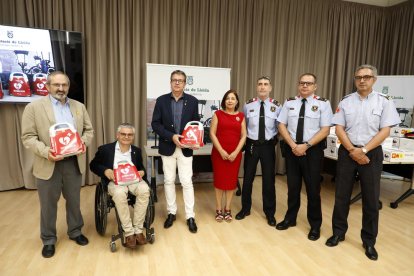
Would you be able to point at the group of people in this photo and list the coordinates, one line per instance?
(363, 120)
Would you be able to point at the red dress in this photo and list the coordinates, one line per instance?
(228, 133)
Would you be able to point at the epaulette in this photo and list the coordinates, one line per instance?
(251, 100)
(346, 96)
(273, 101)
(291, 99)
(320, 98)
(388, 97)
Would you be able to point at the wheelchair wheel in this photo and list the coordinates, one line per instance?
(112, 246)
(101, 212)
(149, 216)
(150, 235)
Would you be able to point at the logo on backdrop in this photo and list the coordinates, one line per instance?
(10, 34)
(190, 80)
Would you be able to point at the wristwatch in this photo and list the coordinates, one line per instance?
(364, 150)
(308, 144)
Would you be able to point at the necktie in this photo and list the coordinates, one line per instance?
(262, 136)
(299, 130)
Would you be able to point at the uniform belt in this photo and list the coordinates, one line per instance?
(257, 143)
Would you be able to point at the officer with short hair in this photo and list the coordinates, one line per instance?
(363, 120)
(304, 123)
(261, 120)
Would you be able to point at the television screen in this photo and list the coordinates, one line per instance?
(28, 55)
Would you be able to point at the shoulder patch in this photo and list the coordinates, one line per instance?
(385, 96)
(291, 99)
(322, 99)
(251, 100)
(346, 96)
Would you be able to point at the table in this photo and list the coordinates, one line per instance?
(395, 203)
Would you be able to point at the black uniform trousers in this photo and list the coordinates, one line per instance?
(307, 167)
(369, 177)
(267, 156)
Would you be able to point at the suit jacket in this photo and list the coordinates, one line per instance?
(37, 118)
(163, 123)
(105, 156)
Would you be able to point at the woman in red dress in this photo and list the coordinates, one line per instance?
(228, 134)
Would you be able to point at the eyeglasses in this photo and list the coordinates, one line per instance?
(177, 81)
(58, 85)
(307, 83)
(126, 134)
(366, 77)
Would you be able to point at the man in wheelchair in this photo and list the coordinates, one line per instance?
(103, 164)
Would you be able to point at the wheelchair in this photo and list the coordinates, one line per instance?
(104, 204)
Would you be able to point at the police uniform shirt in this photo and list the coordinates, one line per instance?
(318, 113)
(251, 112)
(364, 117)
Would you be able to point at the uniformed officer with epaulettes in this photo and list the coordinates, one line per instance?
(261, 120)
(363, 120)
(304, 123)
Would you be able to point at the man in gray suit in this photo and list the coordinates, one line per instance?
(56, 175)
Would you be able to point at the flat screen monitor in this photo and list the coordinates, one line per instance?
(28, 55)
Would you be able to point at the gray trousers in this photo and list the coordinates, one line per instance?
(66, 180)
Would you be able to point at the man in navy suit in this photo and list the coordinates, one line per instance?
(171, 113)
(102, 165)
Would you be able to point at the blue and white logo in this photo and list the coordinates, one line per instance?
(10, 34)
(190, 80)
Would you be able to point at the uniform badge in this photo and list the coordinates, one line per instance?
(251, 110)
(238, 119)
(314, 108)
(337, 110)
(273, 108)
(291, 108)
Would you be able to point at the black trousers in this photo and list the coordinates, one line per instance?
(308, 168)
(370, 177)
(267, 156)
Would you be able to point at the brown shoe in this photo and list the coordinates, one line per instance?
(130, 242)
(140, 238)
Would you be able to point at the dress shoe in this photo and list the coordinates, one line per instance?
(242, 214)
(192, 226)
(271, 220)
(131, 242)
(141, 240)
(169, 221)
(285, 224)
(81, 240)
(370, 252)
(314, 234)
(334, 240)
(48, 250)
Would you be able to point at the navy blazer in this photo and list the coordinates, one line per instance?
(104, 159)
(163, 123)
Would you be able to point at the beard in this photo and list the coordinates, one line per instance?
(60, 96)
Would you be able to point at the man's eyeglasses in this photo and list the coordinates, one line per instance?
(126, 134)
(366, 77)
(307, 83)
(58, 85)
(177, 81)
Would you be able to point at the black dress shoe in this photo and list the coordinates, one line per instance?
(169, 221)
(285, 224)
(334, 240)
(81, 240)
(271, 221)
(370, 252)
(242, 214)
(192, 226)
(314, 234)
(48, 250)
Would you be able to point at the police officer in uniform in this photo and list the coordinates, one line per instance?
(304, 123)
(261, 119)
(363, 120)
